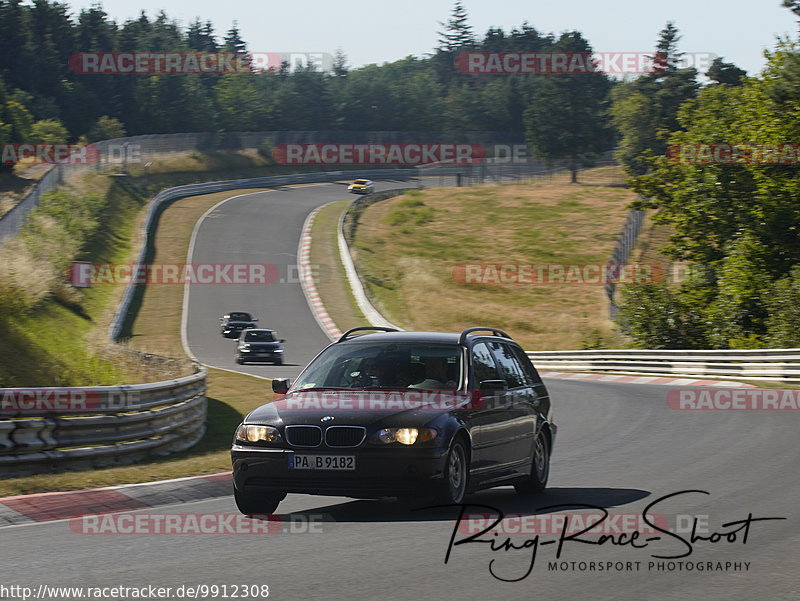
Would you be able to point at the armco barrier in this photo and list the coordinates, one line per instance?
(107, 425)
(777, 365)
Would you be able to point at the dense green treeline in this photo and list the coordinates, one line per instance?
(730, 195)
(418, 94)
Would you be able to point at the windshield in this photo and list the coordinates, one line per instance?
(239, 324)
(239, 316)
(360, 181)
(259, 336)
(381, 365)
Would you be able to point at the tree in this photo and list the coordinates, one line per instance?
(234, 44)
(725, 73)
(667, 58)
(457, 31)
(48, 131)
(340, 68)
(647, 106)
(106, 128)
(200, 37)
(566, 119)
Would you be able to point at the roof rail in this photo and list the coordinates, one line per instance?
(463, 338)
(362, 328)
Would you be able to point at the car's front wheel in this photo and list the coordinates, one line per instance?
(540, 467)
(251, 504)
(456, 472)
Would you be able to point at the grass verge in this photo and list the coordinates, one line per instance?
(407, 247)
(329, 275)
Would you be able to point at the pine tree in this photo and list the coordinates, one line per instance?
(457, 31)
(667, 58)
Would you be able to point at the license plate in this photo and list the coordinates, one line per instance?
(345, 463)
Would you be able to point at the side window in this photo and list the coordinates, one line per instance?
(509, 368)
(531, 375)
(483, 366)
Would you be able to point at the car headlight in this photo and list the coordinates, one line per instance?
(277, 350)
(255, 433)
(407, 436)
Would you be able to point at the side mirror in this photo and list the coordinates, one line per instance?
(280, 385)
(491, 385)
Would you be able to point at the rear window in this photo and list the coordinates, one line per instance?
(260, 337)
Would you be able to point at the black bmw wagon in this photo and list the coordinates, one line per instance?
(428, 415)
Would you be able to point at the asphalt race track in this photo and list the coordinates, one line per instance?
(619, 447)
(261, 227)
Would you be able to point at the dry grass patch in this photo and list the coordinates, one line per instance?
(407, 247)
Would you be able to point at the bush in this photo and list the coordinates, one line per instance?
(783, 305)
(657, 317)
(265, 150)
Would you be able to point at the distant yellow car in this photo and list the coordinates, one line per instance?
(361, 186)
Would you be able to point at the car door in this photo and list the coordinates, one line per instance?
(495, 428)
(519, 417)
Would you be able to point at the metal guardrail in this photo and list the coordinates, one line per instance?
(50, 429)
(777, 365)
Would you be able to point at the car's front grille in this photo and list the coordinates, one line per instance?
(304, 436)
(345, 436)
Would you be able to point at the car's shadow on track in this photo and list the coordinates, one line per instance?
(504, 499)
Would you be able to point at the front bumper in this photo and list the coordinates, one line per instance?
(260, 356)
(379, 472)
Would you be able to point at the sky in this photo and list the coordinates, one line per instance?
(376, 32)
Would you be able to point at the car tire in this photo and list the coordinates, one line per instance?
(239, 360)
(453, 487)
(278, 362)
(251, 504)
(540, 467)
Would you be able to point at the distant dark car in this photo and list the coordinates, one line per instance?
(259, 345)
(415, 415)
(235, 316)
(233, 329)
